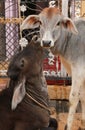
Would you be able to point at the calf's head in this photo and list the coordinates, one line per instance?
(26, 62)
(51, 23)
(24, 65)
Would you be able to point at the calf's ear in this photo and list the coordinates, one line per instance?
(30, 22)
(68, 24)
(18, 95)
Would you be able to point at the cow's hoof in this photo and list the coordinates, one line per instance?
(65, 127)
(53, 125)
(81, 128)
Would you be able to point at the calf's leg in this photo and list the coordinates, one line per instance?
(53, 125)
(22, 126)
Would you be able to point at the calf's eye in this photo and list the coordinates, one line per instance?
(58, 23)
(40, 22)
(22, 63)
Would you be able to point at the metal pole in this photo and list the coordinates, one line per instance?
(19, 16)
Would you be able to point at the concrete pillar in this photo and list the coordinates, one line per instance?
(65, 7)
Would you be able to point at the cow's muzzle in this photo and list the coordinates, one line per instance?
(46, 43)
(13, 76)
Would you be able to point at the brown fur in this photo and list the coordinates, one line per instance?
(32, 20)
(28, 115)
(49, 12)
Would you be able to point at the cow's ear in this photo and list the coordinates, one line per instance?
(18, 95)
(68, 24)
(30, 22)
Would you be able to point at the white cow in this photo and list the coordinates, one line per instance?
(67, 39)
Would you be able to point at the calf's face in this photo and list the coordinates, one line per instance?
(22, 66)
(51, 23)
(19, 65)
(26, 62)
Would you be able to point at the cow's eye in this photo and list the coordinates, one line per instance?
(40, 23)
(58, 24)
(22, 63)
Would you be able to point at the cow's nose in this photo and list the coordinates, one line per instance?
(12, 76)
(46, 43)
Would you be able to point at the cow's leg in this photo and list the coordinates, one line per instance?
(73, 99)
(82, 99)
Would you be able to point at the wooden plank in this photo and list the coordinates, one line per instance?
(3, 82)
(54, 91)
(62, 120)
(58, 92)
(83, 8)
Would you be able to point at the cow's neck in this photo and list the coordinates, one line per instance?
(37, 88)
(62, 44)
(60, 49)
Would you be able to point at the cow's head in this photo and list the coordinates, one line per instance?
(51, 23)
(22, 67)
